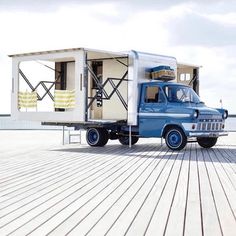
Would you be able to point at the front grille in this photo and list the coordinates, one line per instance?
(210, 125)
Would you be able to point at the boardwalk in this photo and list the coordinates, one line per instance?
(50, 189)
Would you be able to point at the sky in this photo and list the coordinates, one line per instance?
(195, 32)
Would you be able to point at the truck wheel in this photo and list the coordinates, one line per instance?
(206, 142)
(97, 137)
(175, 138)
(125, 140)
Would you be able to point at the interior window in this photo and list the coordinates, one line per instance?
(184, 77)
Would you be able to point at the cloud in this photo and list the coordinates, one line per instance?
(53, 5)
(196, 29)
(201, 33)
(224, 19)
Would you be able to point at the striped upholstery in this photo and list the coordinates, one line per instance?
(64, 99)
(27, 99)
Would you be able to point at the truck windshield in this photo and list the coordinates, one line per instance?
(182, 94)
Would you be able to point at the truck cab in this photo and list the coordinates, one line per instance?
(175, 112)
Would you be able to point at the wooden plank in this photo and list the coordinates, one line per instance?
(80, 214)
(51, 184)
(67, 200)
(229, 158)
(179, 200)
(116, 218)
(141, 216)
(225, 212)
(32, 186)
(60, 191)
(193, 219)
(115, 190)
(159, 216)
(226, 168)
(210, 221)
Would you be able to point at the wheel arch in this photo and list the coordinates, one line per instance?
(168, 126)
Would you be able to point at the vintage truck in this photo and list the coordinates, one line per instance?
(124, 96)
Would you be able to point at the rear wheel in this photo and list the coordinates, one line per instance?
(97, 137)
(124, 140)
(207, 142)
(175, 138)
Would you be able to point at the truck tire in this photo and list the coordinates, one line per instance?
(175, 138)
(97, 137)
(124, 140)
(207, 142)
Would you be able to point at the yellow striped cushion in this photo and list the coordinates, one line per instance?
(64, 99)
(27, 99)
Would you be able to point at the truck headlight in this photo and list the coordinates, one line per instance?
(225, 114)
(195, 114)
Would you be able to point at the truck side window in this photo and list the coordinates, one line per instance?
(154, 95)
(161, 98)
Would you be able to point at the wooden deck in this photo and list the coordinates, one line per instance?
(50, 189)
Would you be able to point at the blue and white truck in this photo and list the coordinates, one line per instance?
(124, 96)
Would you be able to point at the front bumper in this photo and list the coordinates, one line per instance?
(207, 134)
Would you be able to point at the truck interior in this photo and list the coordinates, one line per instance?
(189, 75)
(107, 87)
(53, 81)
(45, 77)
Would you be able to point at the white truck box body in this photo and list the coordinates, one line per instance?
(114, 65)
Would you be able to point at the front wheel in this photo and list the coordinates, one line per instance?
(97, 137)
(175, 138)
(124, 140)
(207, 142)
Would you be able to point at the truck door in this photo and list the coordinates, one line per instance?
(152, 111)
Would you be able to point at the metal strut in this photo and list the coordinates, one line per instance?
(115, 89)
(43, 84)
(192, 80)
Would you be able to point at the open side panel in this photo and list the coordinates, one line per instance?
(189, 75)
(49, 87)
(107, 86)
(45, 79)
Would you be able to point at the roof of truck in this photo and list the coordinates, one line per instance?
(138, 53)
(65, 50)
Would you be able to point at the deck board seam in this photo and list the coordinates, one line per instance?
(199, 192)
(158, 162)
(222, 186)
(212, 192)
(100, 201)
(84, 157)
(92, 165)
(143, 203)
(66, 197)
(187, 191)
(174, 194)
(105, 162)
(223, 167)
(163, 189)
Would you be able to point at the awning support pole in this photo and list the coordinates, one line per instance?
(63, 135)
(130, 136)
